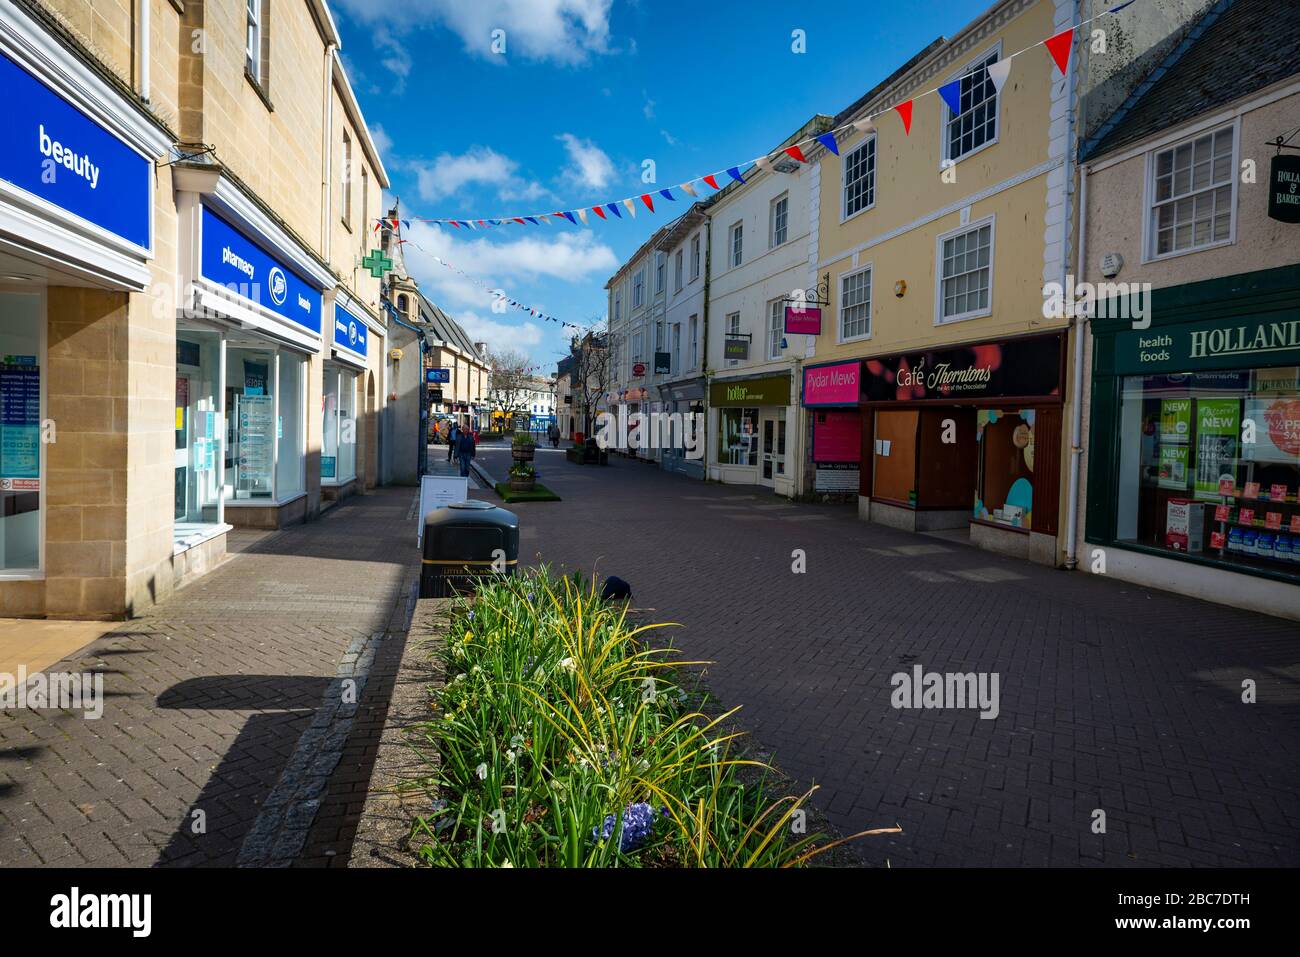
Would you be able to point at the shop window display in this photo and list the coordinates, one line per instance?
(1005, 494)
(738, 437)
(198, 365)
(1210, 466)
(21, 451)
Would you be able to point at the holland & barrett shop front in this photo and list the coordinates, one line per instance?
(349, 346)
(77, 237)
(249, 327)
(1194, 468)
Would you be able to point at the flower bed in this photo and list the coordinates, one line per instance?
(565, 741)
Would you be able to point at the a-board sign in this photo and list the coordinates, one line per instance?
(437, 491)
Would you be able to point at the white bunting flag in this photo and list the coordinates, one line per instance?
(764, 164)
(582, 215)
(688, 189)
(998, 73)
(864, 125)
(631, 207)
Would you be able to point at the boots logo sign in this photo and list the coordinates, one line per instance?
(349, 332)
(245, 269)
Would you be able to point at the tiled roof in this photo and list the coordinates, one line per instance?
(1238, 47)
(445, 328)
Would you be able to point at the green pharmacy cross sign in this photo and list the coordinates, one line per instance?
(377, 263)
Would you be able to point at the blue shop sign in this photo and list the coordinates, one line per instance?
(438, 375)
(236, 262)
(51, 149)
(350, 333)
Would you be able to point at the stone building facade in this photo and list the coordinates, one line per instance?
(190, 341)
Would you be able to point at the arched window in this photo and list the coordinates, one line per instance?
(402, 303)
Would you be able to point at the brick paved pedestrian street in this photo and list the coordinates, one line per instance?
(1113, 696)
(226, 700)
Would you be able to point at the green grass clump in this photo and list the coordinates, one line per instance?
(557, 721)
(538, 493)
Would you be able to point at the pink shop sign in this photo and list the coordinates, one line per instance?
(803, 322)
(834, 384)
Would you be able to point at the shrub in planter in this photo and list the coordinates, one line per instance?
(522, 477)
(563, 740)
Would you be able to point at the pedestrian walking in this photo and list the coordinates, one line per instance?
(466, 448)
(553, 433)
(452, 434)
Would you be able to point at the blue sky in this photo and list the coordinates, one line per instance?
(585, 91)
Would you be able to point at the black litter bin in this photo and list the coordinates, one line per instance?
(463, 541)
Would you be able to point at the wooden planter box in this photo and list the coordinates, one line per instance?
(522, 485)
(522, 453)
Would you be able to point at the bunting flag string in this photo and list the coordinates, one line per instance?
(1059, 48)
(499, 293)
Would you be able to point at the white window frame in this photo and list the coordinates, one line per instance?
(1149, 199)
(694, 328)
(253, 39)
(676, 359)
(695, 258)
(736, 244)
(345, 180)
(839, 305)
(939, 318)
(638, 289)
(771, 220)
(775, 327)
(618, 307)
(678, 269)
(947, 116)
(661, 267)
(732, 331)
(870, 141)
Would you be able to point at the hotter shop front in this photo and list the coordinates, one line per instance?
(1194, 458)
(77, 194)
(749, 417)
(251, 320)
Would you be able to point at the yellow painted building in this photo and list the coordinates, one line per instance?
(931, 255)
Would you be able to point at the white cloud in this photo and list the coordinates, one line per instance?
(383, 142)
(393, 55)
(561, 31)
(589, 166)
(499, 335)
(648, 107)
(529, 253)
(447, 174)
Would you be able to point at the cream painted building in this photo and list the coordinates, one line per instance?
(190, 344)
(757, 264)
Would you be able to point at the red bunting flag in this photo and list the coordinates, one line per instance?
(905, 111)
(649, 203)
(795, 153)
(711, 181)
(456, 224)
(598, 211)
(1059, 47)
(520, 221)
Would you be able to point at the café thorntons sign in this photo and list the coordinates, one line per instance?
(1025, 368)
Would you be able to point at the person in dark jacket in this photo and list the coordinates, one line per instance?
(465, 451)
(452, 435)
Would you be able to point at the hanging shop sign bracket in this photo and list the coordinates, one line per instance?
(819, 295)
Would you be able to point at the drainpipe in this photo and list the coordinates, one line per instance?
(1077, 329)
(704, 346)
(143, 23)
(1077, 390)
(326, 233)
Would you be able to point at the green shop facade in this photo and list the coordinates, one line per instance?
(1194, 446)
